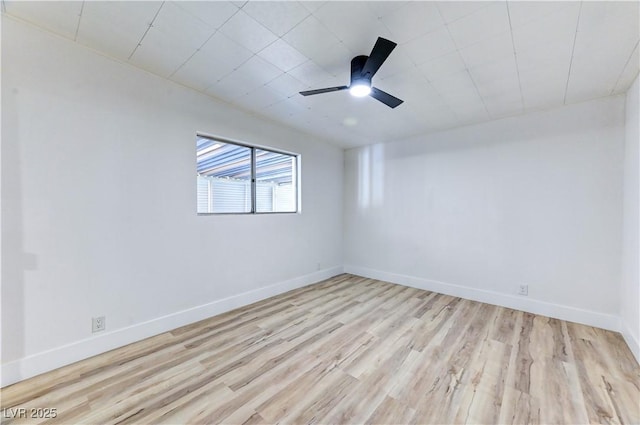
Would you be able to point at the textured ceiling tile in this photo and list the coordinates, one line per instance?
(455, 63)
(309, 73)
(608, 34)
(383, 8)
(506, 88)
(212, 13)
(556, 29)
(278, 16)
(197, 72)
(232, 87)
(258, 71)
(160, 53)
(430, 46)
(454, 10)
(286, 85)
(630, 72)
(59, 17)
(468, 112)
(398, 62)
(282, 55)
(501, 70)
(353, 24)
(247, 32)
(413, 20)
(410, 86)
(456, 88)
(115, 28)
(216, 59)
(184, 29)
(310, 37)
(336, 60)
(484, 23)
(590, 79)
(539, 59)
(490, 50)
(450, 63)
(525, 12)
(259, 98)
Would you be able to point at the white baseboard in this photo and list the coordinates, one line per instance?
(45, 361)
(557, 311)
(630, 339)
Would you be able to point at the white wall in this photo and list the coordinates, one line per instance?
(476, 211)
(630, 290)
(99, 206)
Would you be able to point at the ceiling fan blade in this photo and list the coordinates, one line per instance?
(380, 52)
(384, 97)
(320, 91)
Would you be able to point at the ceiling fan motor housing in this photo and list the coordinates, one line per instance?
(357, 64)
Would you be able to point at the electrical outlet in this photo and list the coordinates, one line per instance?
(523, 290)
(98, 324)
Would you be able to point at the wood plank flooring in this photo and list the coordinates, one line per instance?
(350, 350)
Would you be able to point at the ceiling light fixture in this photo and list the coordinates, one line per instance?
(360, 88)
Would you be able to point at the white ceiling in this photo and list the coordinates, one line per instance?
(456, 62)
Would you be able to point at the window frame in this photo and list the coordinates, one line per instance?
(297, 184)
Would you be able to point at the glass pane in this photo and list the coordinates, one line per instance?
(224, 177)
(275, 182)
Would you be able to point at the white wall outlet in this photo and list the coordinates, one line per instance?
(523, 290)
(98, 324)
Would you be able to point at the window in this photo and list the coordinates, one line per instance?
(240, 179)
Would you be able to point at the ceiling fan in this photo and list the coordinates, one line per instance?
(363, 68)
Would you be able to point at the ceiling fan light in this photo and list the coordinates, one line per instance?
(360, 89)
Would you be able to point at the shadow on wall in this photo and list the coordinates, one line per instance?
(371, 176)
(14, 260)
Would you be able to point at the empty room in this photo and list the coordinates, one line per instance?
(320, 212)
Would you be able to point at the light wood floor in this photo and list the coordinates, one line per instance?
(352, 350)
